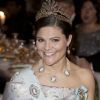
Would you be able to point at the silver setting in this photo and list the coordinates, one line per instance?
(34, 91)
(53, 79)
(66, 73)
(41, 69)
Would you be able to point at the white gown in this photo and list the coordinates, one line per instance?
(25, 86)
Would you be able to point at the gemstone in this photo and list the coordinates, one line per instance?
(66, 73)
(42, 69)
(34, 90)
(53, 79)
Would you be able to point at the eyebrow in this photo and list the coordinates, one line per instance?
(50, 37)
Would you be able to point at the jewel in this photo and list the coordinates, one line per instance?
(34, 90)
(66, 73)
(53, 79)
(41, 69)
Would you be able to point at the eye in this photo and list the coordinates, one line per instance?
(55, 40)
(40, 40)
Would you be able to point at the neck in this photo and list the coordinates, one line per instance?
(89, 27)
(58, 67)
(90, 24)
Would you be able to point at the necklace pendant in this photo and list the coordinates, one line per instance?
(41, 69)
(53, 79)
(66, 73)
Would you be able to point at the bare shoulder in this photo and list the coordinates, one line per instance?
(86, 77)
(85, 74)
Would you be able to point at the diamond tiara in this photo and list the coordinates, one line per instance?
(51, 7)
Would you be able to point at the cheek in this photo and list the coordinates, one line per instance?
(39, 49)
(39, 46)
(83, 12)
(93, 13)
(61, 47)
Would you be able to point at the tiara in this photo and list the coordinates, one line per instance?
(51, 7)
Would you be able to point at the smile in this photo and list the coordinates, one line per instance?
(48, 54)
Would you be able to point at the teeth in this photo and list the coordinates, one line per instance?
(48, 54)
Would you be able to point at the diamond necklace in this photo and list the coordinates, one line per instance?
(53, 78)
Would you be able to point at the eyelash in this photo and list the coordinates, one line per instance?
(53, 40)
(40, 40)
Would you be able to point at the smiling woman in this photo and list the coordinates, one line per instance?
(51, 46)
(54, 77)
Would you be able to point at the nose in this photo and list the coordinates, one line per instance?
(48, 45)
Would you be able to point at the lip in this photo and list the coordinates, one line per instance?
(85, 17)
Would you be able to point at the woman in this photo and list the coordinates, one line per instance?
(54, 77)
(88, 35)
(88, 32)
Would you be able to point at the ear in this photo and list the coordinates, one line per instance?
(69, 40)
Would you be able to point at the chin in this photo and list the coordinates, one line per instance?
(49, 62)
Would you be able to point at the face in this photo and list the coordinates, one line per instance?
(68, 8)
(88, 12)
(51, 44)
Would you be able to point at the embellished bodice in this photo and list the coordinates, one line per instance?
(25, 86)
(88, 43)
(55, 93)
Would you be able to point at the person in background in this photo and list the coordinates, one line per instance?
(54, 76)
(88, 36)
(72, 8)
(17, 20)
(32, 6)
(68, 6)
